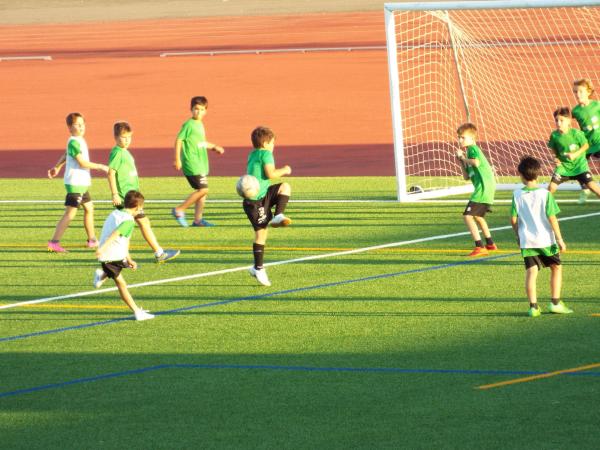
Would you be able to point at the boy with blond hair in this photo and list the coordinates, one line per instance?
(122, 178)
(261, 164)
(191, 157)
(476, 168)
(77, 181)
(533, 219)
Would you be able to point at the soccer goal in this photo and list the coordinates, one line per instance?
(503, 65)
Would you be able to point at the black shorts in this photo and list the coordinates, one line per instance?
(198, 181)
(141, 214)
(476, 209)
(112, 269)
(583, 178)
(75, 200)
(541, 261)
(259, 211)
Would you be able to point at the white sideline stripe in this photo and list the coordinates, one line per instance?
(277, 263)
(433, 200)
(258, 51)
(25, 58)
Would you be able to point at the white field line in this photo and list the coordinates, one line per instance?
(259, 51)
(42, 202)
(277, 263)
(25, 58)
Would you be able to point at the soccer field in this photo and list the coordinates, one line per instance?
(404, 343)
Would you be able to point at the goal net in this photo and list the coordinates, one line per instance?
(503, 65)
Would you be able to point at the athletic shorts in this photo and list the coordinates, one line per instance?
(477, 209)
(112, 269)
(75, 199)
(541, 261)
(583, 178)
(141, 214)
(259, 211)
(198, 181)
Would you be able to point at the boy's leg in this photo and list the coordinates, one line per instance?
(281, 201)
(124, 292)
(531, 285)
(88, 221)
(149, 236)
(258, 248)
(63, 223)
(485, 230)
(593, 186)
(555, 282)
(199, 208)
(190, 200)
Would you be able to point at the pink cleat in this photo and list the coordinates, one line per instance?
(54, 247)
(92, 243)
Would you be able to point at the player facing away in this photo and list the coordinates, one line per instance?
(192, 158)
(77, 181)
(533, 218)
(569, 146)
(476, 168)
(261, 164)
(122, 178)
(113, 252)
(587, 115)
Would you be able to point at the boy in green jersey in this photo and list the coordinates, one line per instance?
(122, 178)
(113, 252)
(569, 146)
(191, 157)
(476, 168)
(587, 115)
(261, 164)
(533, 219)
(77, 182)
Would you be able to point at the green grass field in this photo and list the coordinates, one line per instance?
(385, 348)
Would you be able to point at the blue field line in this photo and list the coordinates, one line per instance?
(263, 296)
(395, 370)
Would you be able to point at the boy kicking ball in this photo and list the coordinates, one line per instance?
(113, 252)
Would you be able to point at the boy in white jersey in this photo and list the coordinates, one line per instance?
(533, 218)
(113, 252)
(77, 182)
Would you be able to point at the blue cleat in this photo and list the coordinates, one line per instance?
(202, 223)
(180, 218)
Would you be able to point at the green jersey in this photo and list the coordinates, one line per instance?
(588, 118)
(256, 166)
(563, 143)
(194, 158)
(482, 177)
(122, 162)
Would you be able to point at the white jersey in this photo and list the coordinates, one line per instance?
(75, 175)
(532, 208)
(119, 248)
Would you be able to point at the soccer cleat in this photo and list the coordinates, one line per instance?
(491, 247)
(180, 218)
(478, 251)
(167, 255)
(534, 312)
(583, 195)
(54, 247)
(280, 221)
(260, 275)
(202, 223)
(561, 308)
(92, 243)
(141, 314)
(99, 278)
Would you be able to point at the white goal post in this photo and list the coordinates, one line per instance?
(503, 65)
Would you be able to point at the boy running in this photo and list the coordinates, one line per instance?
(192, 158)
(113, 252)
(533, 218)
(261, 164)
(476, 168)
(77, 181)
(122, 178)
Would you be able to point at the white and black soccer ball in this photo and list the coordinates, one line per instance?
(416, 189)
(247, 186)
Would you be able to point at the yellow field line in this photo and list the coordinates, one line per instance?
(537, 377)
(70, 306)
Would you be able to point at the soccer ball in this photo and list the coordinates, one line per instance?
(247, 186)
(416, 189)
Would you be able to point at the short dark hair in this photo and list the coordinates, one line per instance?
(71, 118)
(563, 111)
(133, 199)
(529, 168)
(199, 100)
(261, 135)
(120, 127)
(467, 128)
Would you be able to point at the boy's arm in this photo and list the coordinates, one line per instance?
(467, 161)
(271, 172)
(577, 153)
(112, 184)
(556, 229)
(54, 171)
(90, 165)
(460, 156)
(514, 221)
(101, 249)
(177, 161)
(130, 262)
(217, 148)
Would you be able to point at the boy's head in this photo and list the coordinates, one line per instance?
(263, 137)
(529, 168)
(76, 124)
(583, 90)
(122, 132)
(198, 106)
(562, 117)
(467, 134)
(133, 200)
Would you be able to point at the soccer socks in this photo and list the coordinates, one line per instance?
(282, 201)
(489, 241)
(479, 243)
(555, 301)
(259, 252)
